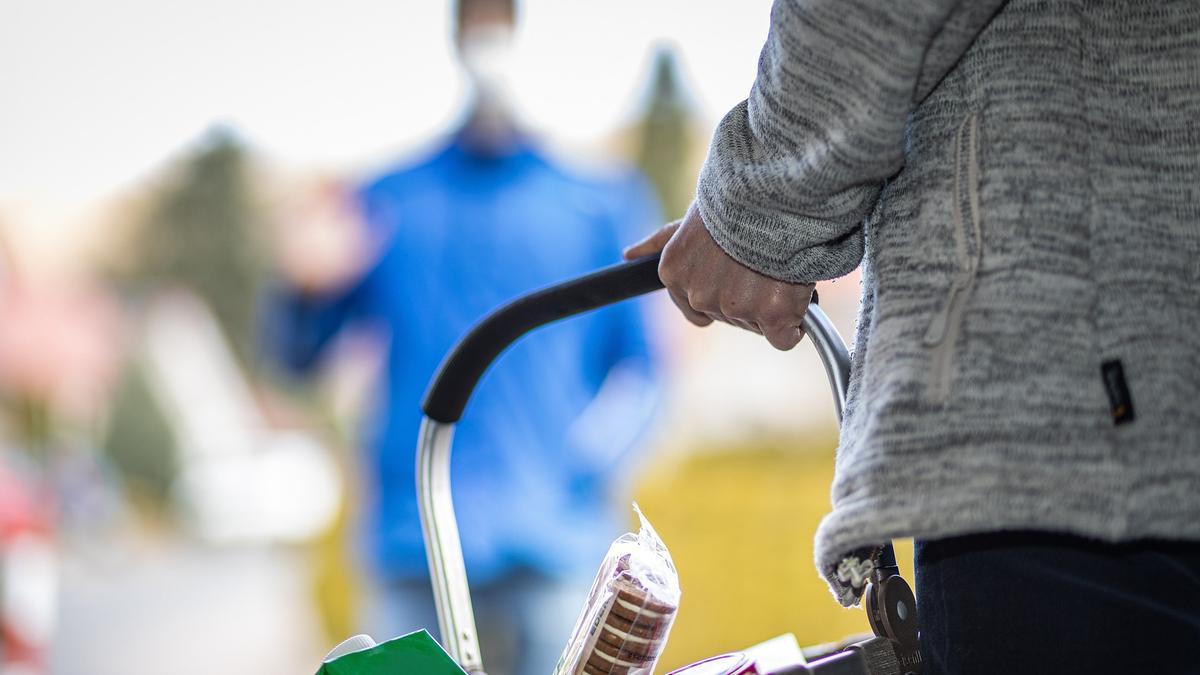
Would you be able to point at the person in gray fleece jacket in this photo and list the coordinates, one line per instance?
(1020, 184)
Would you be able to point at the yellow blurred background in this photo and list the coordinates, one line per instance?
(739, 522)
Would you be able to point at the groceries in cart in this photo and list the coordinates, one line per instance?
(414, 653)
(629, 612)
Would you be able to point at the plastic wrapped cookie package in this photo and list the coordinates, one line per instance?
(629, 613)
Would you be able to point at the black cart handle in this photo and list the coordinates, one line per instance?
(460, 371)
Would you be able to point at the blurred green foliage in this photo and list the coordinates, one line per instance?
(204, 231)
(201, 230)
(665, 131)
(139, 443)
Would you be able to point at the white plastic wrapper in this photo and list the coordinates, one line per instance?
(629, 613)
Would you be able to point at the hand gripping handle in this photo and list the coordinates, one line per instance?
(455, 380)
(461, 370)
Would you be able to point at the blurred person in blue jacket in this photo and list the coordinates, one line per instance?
(484, 218)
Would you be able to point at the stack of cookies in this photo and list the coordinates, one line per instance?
(623, 627)
(630, 632)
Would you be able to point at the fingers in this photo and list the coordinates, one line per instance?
(653, 243)
(707, 285)
(681, 301)
(770, 308)
(744, 325)
(783, 337)
(779, 310)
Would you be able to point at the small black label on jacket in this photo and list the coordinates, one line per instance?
(1118, 392)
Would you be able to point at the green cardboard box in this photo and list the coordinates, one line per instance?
(413, 654)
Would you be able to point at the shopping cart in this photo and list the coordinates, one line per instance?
(891, 609)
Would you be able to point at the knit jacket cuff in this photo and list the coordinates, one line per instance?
(752, 226)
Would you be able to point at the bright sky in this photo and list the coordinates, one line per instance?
(96, 95)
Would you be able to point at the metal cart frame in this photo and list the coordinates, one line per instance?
(451, 388)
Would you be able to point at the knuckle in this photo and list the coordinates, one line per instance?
(667, 273)
(774, 313)
(739, 310)
(707, 302)
(782, 305)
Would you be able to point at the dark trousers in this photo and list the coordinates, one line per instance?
(1033, 603)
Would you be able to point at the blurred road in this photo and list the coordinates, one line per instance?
(179, 608)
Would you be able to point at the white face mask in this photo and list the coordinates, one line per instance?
(489, 58)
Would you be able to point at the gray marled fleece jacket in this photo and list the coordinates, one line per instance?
(1021, 183)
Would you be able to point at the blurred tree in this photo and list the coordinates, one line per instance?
(140, 443)
(202, 231)
(663, 151)
(199, 229)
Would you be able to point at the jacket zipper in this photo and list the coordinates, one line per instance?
(943, 331)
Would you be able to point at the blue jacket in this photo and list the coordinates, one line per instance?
(467, 233)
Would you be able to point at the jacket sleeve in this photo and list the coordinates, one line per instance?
(795, 169)
(297, 327)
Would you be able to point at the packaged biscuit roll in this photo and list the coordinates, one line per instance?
(624, 624)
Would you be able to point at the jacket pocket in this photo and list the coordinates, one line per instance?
(942, 334)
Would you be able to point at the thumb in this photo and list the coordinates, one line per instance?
(652, 244)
